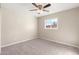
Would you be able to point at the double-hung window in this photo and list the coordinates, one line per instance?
(51, 23)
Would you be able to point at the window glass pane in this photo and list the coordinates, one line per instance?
(51, 23)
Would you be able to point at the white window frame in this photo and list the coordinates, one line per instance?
(50, 19)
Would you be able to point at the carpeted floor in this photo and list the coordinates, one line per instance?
(39, 47)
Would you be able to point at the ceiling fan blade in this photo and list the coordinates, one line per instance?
(35, 4)
(47, 5)
(46, 10)
(33, 10)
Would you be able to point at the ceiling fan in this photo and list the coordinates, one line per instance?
(40, 7)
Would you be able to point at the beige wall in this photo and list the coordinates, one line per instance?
(0, 30)
(68, 27)
(17, 25)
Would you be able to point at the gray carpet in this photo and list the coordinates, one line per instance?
(39, 47)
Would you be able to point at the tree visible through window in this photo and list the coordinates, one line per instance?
(51, 24)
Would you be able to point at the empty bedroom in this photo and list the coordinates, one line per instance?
(39, 28)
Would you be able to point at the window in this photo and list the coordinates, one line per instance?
(51, 23)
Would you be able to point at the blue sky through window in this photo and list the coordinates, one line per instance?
(50, 21)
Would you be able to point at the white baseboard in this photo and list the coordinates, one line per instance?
(60, 42)
(15, 43)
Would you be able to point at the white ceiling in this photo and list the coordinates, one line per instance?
(55, 7)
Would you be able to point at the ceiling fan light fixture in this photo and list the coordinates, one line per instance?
(41, 8)
(39, 11)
